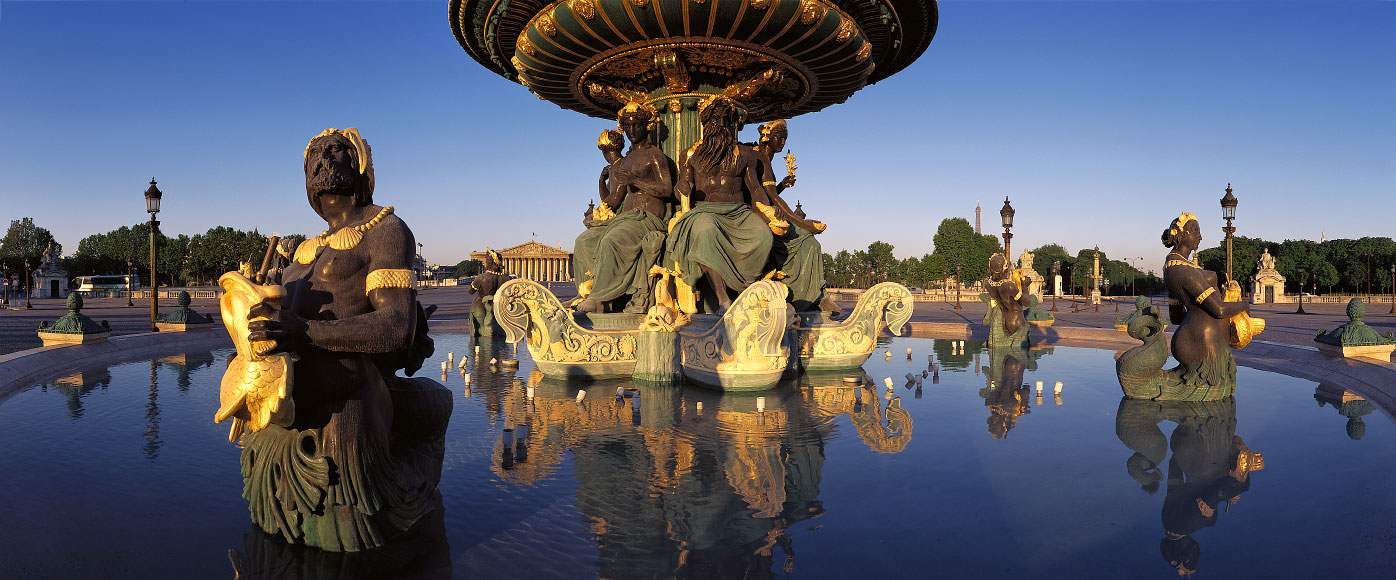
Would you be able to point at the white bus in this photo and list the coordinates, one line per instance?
(116, 282)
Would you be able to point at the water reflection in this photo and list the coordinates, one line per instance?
(1348, 404)
(679, 481)
(1210, 466)
(1005, 394)
(77, 385)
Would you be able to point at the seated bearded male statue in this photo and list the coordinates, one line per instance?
(356, 460)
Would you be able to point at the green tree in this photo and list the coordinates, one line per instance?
(468, 268)
(955, 243)
(25, 242)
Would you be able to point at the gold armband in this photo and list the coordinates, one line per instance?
(388, 278)
(768, 183)
(1205, 293)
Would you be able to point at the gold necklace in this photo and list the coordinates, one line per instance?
(345, 238)
(1182, 261)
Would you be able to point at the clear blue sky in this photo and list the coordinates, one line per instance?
(1101, 120)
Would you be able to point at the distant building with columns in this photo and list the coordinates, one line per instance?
(534, 261)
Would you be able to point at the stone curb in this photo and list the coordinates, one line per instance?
(22, 369)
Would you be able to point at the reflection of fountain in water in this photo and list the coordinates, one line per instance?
(681, 480)
(1348, 404)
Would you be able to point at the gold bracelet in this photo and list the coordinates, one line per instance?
(1205, 293)
(388, 278)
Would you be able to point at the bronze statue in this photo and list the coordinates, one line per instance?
(1006, 300)
(625, 234)
(796, 253)
(718, 239)
(1210, 325)
(317, 461)
(484, 285)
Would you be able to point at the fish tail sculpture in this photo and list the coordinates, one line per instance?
(256, 388)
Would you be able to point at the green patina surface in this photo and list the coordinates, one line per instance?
(74, 322)
(1035, 313)
(1355, 332)
(183, 315)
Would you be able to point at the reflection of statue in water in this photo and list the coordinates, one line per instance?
(1210, 466)
(1210, 326)
(718, 239)
(319, 468)
(796, 253)
(484, 285)
(1006, 301)
(674, 490)
(1006, 396)
(625, 234)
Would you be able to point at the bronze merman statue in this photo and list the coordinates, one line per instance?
(1210, 325)
(625, 234)
(718, 240)
(796, 253)
(351, 458)
(1006, 300)
(484, 285)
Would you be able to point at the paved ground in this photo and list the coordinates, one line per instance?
(1282, 325)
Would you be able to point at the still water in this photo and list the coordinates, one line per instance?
(119, 471)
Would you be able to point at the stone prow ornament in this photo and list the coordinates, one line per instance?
(745, 349)
(559, 345)
(826, 345)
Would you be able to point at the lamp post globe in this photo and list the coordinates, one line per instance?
(152, 206)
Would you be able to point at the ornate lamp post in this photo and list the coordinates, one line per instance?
(6, 270)
(129, 266)
(27, 289)
(1301, 292)
(1228, 203)
(1056, 282)
(152, 205)
(1393, 289)
(1007, 214)
(957, 287)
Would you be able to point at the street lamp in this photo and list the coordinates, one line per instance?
(1228, 203)
(1007, 214)
(957, 287)
(5, 268)
(27, 289)
(1301, 292)
(129, 266)
(1056, 282)
(152, 205)
(1393, 289)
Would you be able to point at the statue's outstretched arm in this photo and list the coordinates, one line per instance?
(1206, 296)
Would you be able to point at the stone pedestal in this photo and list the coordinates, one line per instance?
(1057, 285)
(1095, 296)
(657, 357)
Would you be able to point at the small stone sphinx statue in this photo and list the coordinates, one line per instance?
(722, 237)
(482, 322)
(1210, 325)
(1005, 297)
(338, 453)
(625, 234)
